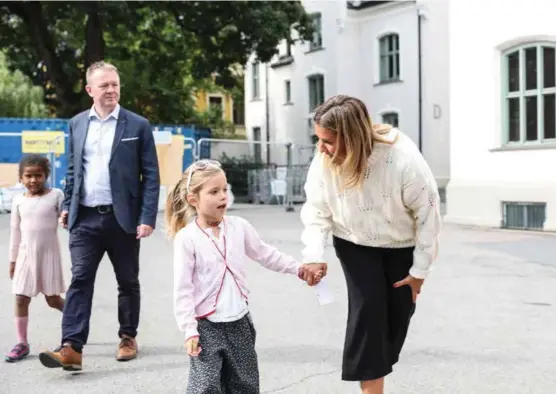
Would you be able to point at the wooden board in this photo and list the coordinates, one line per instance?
(9, 174)
(171, 158)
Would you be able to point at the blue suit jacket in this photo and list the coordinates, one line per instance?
(133, 168)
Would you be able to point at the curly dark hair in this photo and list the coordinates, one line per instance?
(34, 160)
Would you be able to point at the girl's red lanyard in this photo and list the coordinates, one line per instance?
(213, 241)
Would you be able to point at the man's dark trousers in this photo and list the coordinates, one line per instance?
(95, 232)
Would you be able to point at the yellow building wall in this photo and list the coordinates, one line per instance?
(202, 103)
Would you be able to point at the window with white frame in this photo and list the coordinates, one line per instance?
(389, 57)
(287, 92)
(390, 118)
(317, 40)
(316, 89)
(255, 80)
(529, 93)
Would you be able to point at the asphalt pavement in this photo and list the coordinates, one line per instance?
(485, 322)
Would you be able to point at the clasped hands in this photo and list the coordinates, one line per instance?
(312, 273)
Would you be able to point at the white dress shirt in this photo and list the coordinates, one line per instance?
(396, 207)
(96, 156)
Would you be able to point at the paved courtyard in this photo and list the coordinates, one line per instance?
(485, 322)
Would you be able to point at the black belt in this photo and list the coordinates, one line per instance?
(103, 209)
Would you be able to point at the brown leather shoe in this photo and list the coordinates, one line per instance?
(127, 350)
(64, 357)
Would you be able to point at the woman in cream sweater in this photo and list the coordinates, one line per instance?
(370, 186)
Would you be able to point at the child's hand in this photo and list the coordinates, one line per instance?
(12, 269)
(63, 219)
(312, 273)
(318, 276)
(192, 346)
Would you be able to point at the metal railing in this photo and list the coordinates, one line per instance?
(253, 180)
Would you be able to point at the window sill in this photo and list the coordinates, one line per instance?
(285, 61)
(518, 147)
(390, 82)
(288, 103)
(314, 50)
(255, 100)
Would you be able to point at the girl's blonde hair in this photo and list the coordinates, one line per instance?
(178, 211)
(349, 119)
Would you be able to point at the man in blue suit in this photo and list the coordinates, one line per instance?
(111, 202)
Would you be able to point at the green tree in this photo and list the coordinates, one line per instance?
(161, 48)
(18, 97)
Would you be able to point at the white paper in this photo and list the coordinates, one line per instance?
(324, 293)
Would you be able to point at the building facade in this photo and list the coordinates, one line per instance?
(502, 106)
(378, 51)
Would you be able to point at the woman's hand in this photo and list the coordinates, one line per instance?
(414, 283)
(192, 346)
(312, 273)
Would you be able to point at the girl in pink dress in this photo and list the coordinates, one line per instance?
(35, 260)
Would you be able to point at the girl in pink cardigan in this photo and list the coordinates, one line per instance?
(210, 292)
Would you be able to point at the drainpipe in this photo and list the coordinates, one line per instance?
(420, 93)
(267, 115)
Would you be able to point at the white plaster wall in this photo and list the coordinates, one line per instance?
(400, 97)
(480, 178)
(358, 72)
(435, 87)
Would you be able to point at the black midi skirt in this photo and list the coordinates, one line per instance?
(378, 314)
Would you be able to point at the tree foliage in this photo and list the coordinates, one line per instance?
(18, 97)
(161, 48)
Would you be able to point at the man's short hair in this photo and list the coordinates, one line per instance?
(98, 66)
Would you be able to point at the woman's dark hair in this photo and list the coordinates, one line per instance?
(34, 160)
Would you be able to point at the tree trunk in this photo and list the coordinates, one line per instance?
(32, 14)
(94, 40)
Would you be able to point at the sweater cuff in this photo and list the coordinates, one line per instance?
(313, 255)
(419, 273)
(296, 268)
(191, 331)
(422, 264)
